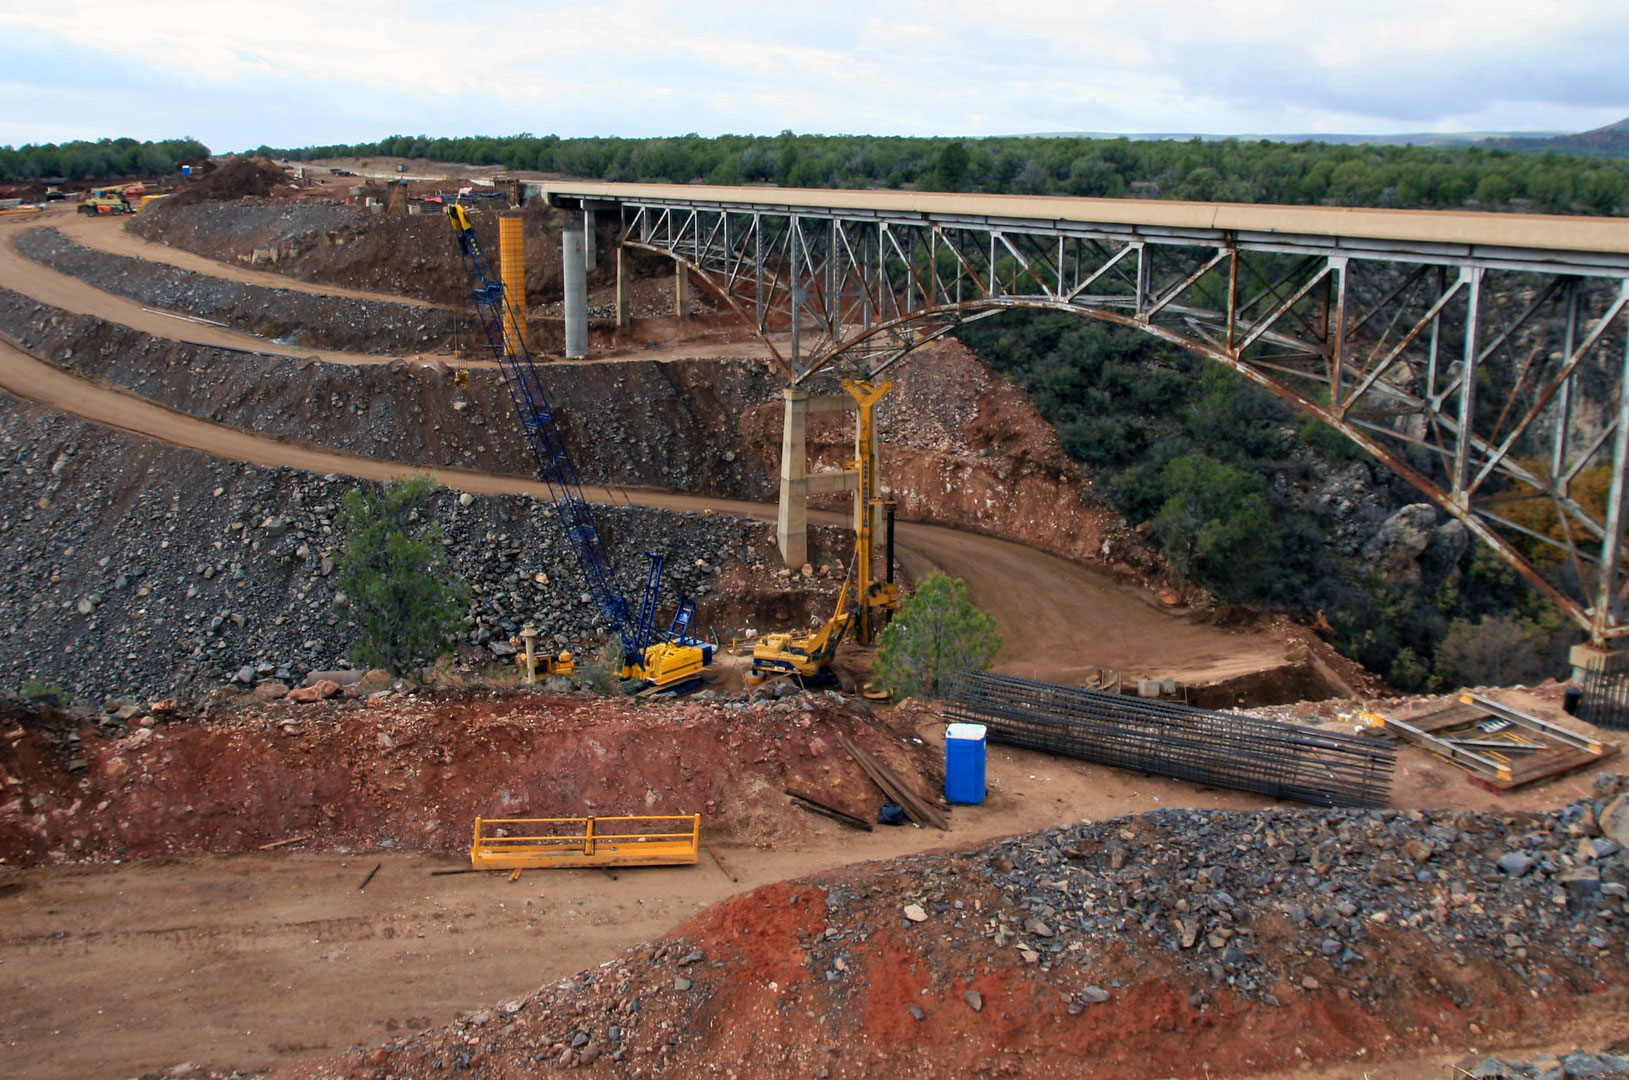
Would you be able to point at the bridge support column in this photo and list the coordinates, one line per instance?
(591, 254)
(681, 290)
(575, 272)
(624, 290)
(1587, 660)
(792, 522)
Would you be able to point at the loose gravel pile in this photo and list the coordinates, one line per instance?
(1546, 894)
(281, 316)
(134, 569)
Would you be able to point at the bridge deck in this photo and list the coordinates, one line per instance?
(1528, 232)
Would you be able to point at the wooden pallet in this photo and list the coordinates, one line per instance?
(1546, 749)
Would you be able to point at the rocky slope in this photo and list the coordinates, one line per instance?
(282, 316)
(135, 569)
(1250, 942)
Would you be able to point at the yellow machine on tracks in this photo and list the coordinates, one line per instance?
(806, 658)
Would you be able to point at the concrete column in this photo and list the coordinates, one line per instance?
(576, 289)
(624, 290)
(591, 254)
(681, 290)
(792, 522)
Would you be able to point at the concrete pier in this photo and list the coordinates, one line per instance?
(792, 520)
(575, 271)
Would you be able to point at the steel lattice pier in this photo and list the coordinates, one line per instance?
(1247, 753)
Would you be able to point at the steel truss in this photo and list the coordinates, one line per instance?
(1489, 377)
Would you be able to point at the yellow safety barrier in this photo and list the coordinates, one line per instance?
(528, 843)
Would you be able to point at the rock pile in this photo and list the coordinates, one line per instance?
(1547, 895)
(133, 569)
(282, 316)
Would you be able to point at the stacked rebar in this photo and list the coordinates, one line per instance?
(1248, 753)
(1605, 701)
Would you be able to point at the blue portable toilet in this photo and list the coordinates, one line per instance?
(186, 170)
(964, 763)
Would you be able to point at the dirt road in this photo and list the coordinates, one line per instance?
(249, 961)
(1059, 620)
(102, 234)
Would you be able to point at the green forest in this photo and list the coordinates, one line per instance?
(1225, 170)
(103, 159)
(1216, 470)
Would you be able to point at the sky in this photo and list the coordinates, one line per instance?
(310, 72)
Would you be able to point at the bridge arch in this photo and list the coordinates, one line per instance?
(1481, 357)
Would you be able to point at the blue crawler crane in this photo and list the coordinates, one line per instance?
(674, 661)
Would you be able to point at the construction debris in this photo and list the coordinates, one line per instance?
(1501, 748)
(917, 808)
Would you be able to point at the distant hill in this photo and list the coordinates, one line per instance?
(1611, 141)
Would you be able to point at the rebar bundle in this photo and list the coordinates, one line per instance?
(1248, 753)
(1606, 700)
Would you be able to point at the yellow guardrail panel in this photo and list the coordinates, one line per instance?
(523, 843)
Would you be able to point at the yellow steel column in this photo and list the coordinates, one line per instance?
(865, 395)
(512, 270)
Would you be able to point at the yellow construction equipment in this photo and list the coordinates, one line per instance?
(107, 200)
(805, 657)
(872, 597)
(566, 843)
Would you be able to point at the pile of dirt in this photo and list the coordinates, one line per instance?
(411, 773)
(244, 177)
(331, 243)
(1249, 941)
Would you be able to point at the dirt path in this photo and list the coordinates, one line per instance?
(111, 236)
(23, 275)
(249, 961)
(1060, 620)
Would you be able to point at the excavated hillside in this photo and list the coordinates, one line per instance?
(1216, 935)
(1176, 943)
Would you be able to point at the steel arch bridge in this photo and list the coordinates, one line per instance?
(1483, 357)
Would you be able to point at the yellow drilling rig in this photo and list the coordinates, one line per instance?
(806, 658)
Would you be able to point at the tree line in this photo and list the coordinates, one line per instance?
(103, 159)
(1220, 170)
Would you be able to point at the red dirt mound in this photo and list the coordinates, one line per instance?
(946, 965)
(412, 775)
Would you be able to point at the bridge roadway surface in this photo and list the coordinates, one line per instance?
(1460, 230)
(1059, 620)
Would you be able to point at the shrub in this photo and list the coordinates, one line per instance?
(405, 601)
(937, 633)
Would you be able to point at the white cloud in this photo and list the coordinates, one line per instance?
(310, 71)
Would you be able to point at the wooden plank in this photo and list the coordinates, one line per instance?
(915, 806)
(722, 865)
(803, 802)
(275, 844)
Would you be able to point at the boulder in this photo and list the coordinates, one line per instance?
(325, 688)
(339, 677)
(1396, 548)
